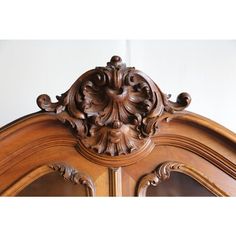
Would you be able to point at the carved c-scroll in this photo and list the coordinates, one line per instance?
(163, 172)
(115, 109)
(68, 172)
(75, 177)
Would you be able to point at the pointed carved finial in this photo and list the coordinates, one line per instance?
(115, 109)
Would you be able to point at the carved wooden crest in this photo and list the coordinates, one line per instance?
(115, 109)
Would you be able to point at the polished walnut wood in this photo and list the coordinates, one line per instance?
(115, 109)
(163, 173)
(115, 133)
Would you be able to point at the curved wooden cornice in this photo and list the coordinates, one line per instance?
(163, 172)
(134, 115)
(115, 116)
(201, 150)
(61, 136)
(114, 110)
(69, 173)
(193, 119)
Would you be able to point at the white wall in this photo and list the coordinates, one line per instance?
(205, 69)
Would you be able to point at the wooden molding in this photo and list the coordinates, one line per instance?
(163, 172)
(75, 177)
(200, 149)
(118, 161)
(116, 124)
(69, 173)
(115, 182)
(114, 110)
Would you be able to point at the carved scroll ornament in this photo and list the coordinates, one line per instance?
(67, 172)
(115, 109)
(163, 172)
(74, 177)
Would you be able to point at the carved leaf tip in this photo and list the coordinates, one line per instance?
(44, 102)
(183, 100)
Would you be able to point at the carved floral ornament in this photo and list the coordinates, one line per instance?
(75, 177)
(115, 109)
(163, 172)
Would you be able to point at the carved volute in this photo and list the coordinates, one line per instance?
(114, 110)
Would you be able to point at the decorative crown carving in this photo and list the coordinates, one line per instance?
(114, 109)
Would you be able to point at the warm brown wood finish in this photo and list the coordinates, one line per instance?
(163, 173)
(67, 172)
(116, 133)
(115, 182)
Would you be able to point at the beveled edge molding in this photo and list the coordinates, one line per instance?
(114, 110)
(26, 121)
(199, 149)
(20, 154)
(69, 173)
(115, 182)
(163, 172)
(203, 122)
(209, 124)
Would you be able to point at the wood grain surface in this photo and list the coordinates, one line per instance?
(115, 133)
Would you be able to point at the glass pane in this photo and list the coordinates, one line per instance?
(53, 184)
(178, 185)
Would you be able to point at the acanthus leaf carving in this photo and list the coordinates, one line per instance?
(114, 109)
(163, 172)
(74, 176)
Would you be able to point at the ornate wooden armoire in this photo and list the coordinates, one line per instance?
(115, 133)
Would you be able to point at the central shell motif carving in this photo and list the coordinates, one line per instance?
(114, 109)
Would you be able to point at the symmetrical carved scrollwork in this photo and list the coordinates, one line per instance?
(163, 172)
(114, 109)
(75, 177)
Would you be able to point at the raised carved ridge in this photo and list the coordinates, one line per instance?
(115, 109)
(163, 172)
(75, 177)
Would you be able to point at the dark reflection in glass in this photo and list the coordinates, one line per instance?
(53, 184)
(179, 185)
